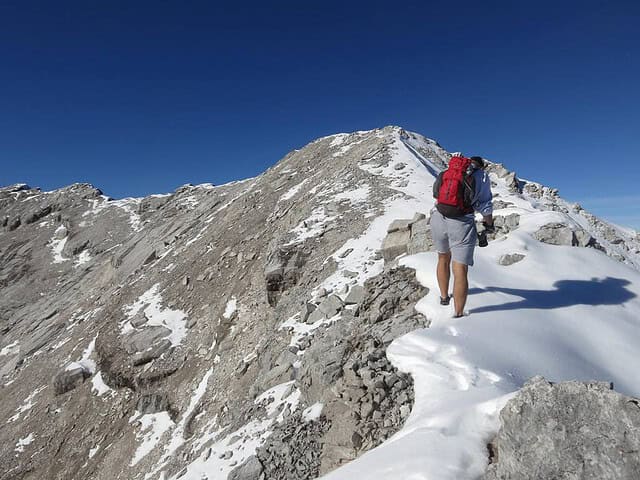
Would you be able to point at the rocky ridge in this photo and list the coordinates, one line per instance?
(234, 330)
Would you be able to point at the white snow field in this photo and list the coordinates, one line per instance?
(567, 313)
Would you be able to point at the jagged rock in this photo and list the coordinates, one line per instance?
(69, 379)
(14, 223)
(508, 223)
(355, 295)
(152, 403)
(293, 451)
(418, 216)
(421, 239)
(330, 306)
(38, 214)
(500, 204)
(510, 258)
(151, 353)
(584, 239)
(567, 430)
(283, 271)
(251, 469)
(307, 309)
(141, 340)
(395, 244)
(315, 316)
(399, 226)
(138, 320)
(556, 234)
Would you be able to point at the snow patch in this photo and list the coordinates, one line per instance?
(151, 301)
(313, 412)
(230, 308)
(293, 191)
(57, 244)
(23, 442)
(26, 405)
(99, 386)
(83, 258)
(152, 427)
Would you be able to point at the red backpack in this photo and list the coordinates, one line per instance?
(454, 188)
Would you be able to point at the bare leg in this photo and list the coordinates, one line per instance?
(443, 273)
(460, 286)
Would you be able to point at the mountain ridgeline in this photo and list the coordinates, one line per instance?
(235, 331)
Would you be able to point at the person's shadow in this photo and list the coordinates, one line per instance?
(566, 293)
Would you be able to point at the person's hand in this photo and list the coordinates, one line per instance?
(489, 228)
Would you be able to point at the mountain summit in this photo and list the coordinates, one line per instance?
(282, 326)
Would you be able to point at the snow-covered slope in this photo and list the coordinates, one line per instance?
(185, 313)
(563, 312)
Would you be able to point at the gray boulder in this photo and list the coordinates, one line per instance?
(355, 295)
(67, 380)
(569, 430)
(395, 244)
(508, 222)
(141, 340)
(556, 234)
(151, 353)
(152, 403)
(330, 306)
(399, 225)
(421, 239)
(251, 469)
(510, 259)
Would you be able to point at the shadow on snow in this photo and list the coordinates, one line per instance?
(566, 293)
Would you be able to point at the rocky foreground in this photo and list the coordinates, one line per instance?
(239, 331)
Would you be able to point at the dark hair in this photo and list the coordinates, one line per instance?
(478, 160)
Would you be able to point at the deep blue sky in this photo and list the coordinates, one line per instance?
(140, 97)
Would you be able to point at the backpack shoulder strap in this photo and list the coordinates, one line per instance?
(437, 184)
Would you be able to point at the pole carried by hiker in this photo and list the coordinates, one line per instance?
(461, 190)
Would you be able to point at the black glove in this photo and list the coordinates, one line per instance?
(489, 228)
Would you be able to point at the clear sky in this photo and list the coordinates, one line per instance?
(140, 97)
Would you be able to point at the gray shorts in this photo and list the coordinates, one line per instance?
(455, 235)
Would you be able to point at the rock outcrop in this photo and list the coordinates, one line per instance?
(567, 430)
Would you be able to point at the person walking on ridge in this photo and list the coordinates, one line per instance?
(462, 189)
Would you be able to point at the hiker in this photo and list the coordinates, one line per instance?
(461, 190)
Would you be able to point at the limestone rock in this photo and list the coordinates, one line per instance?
(355, 295)
(395, 244)
(141, 340)
(152, 403)
(69, 379)
(251, 469)
(421, 239)
(399, 226)
(567, 430)
(510, 258)
(330, 306)
(556, 234)
(151, 353)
